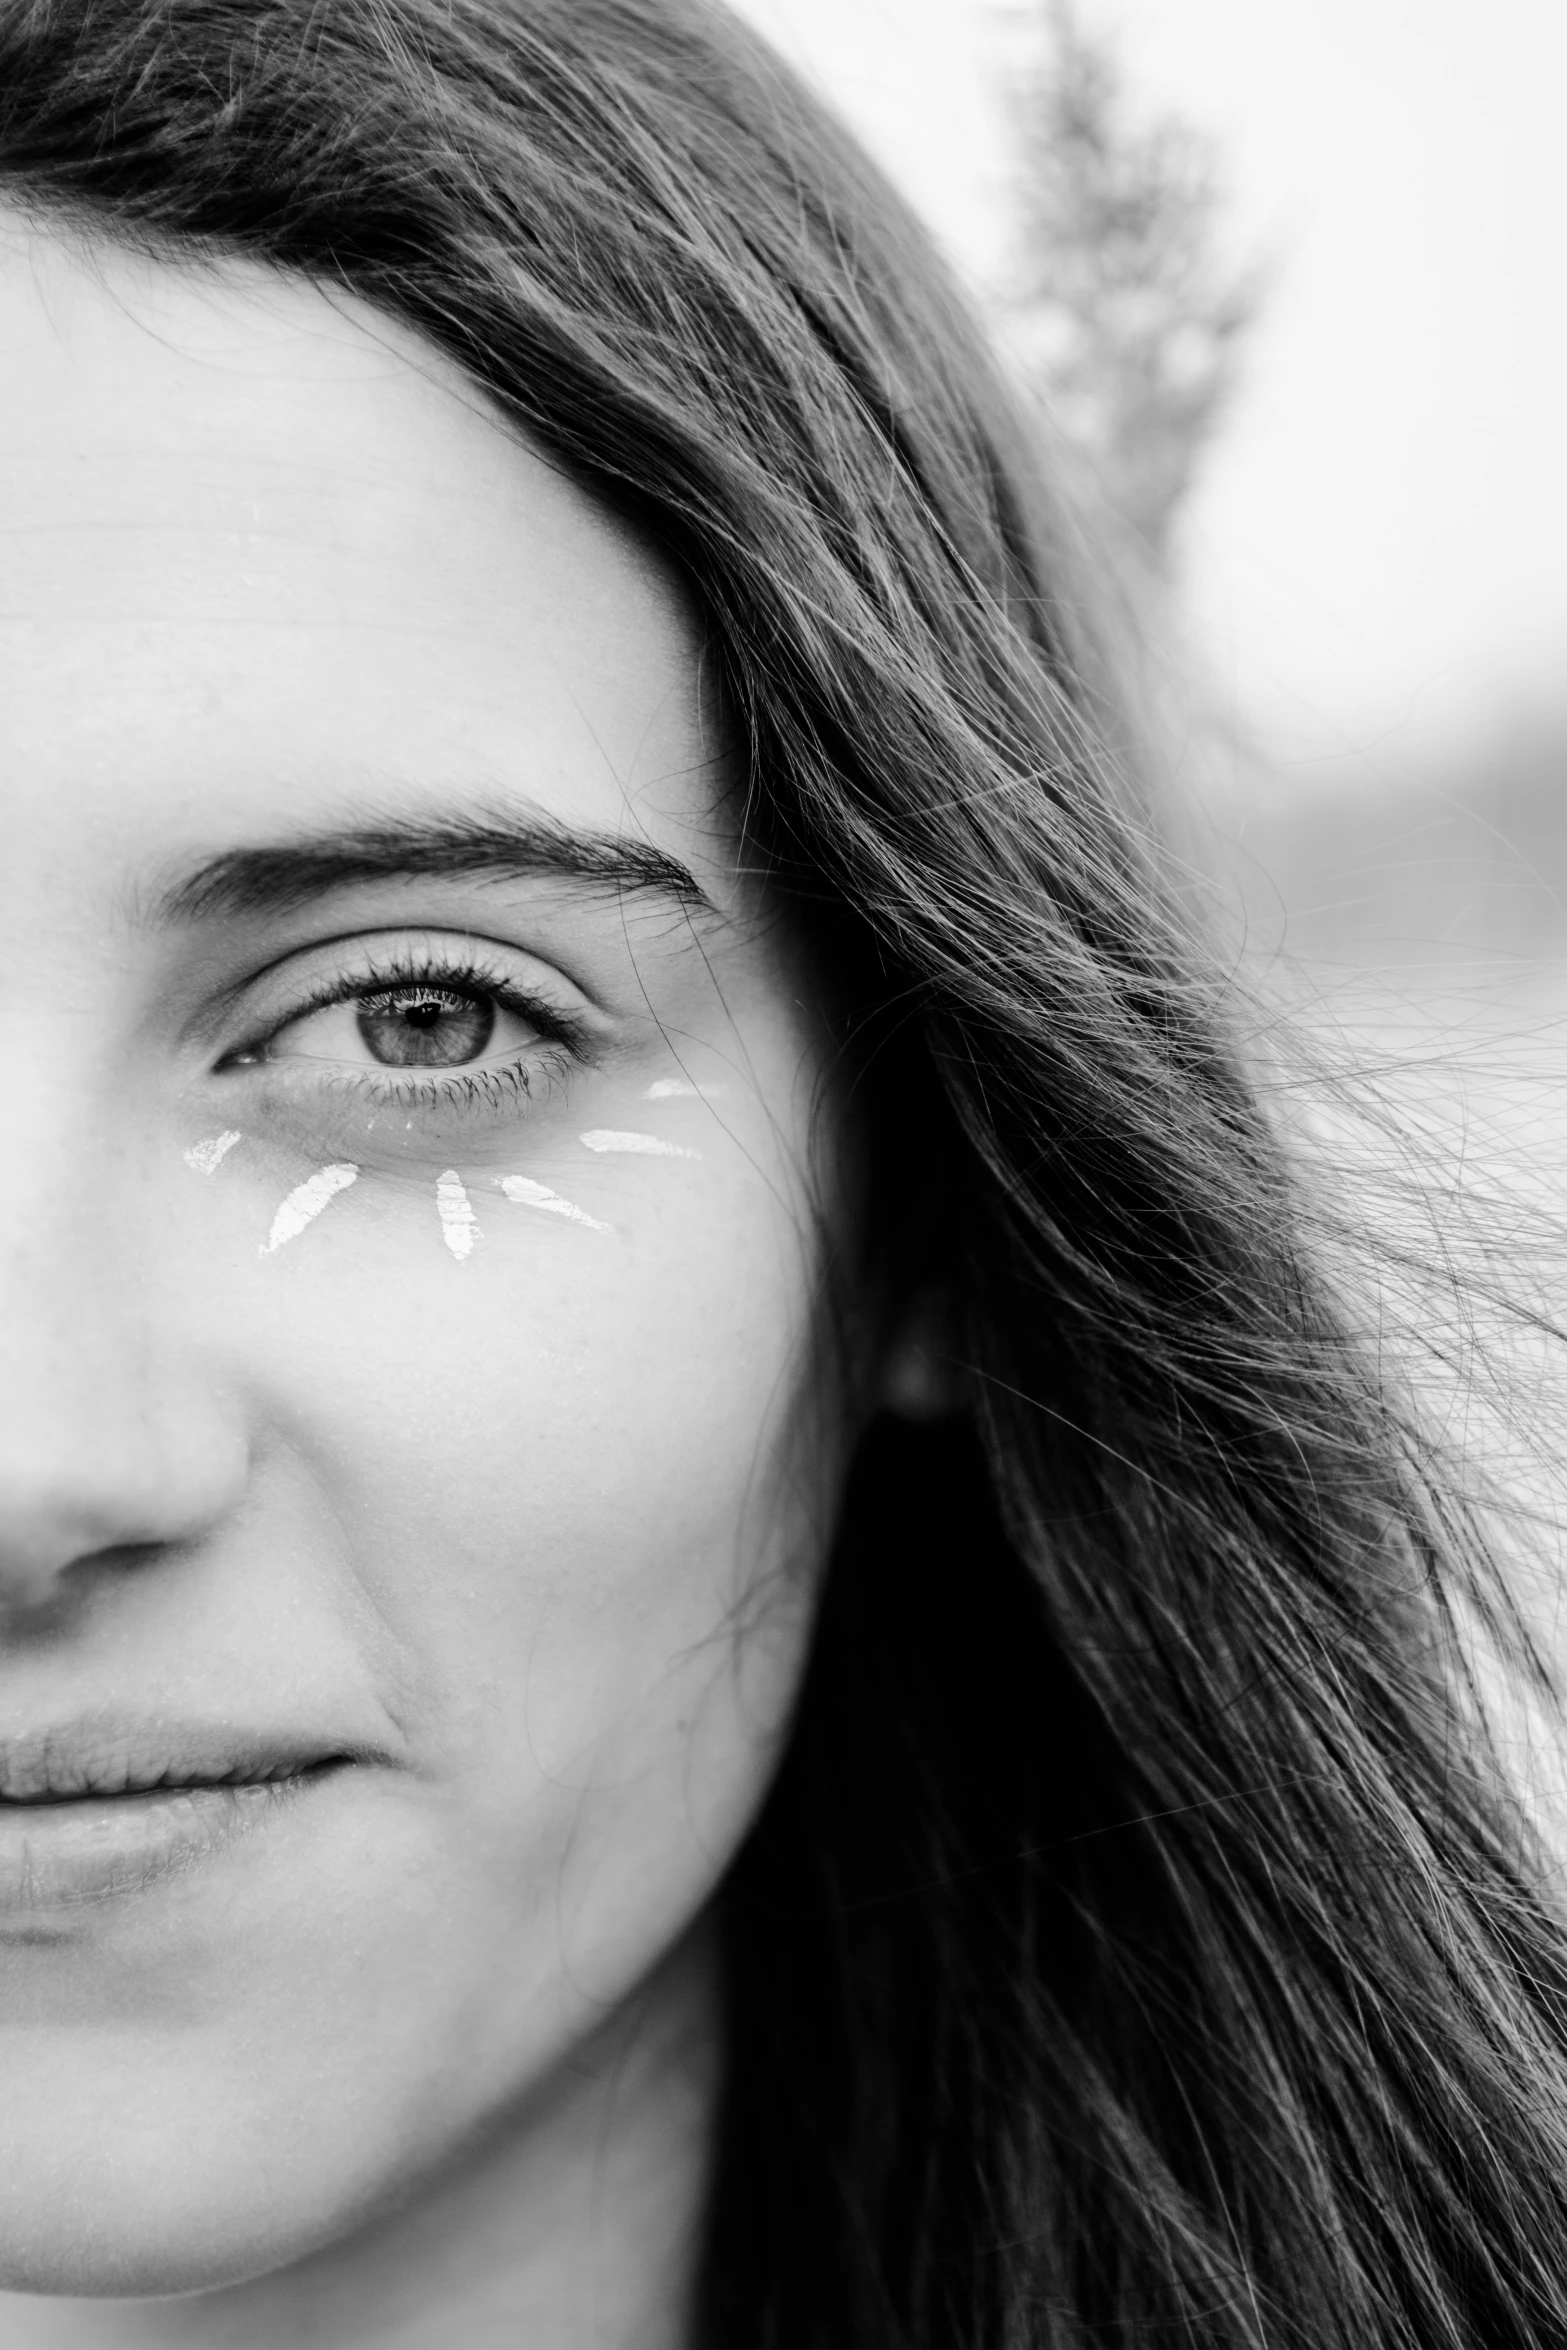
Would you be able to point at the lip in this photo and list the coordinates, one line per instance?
(92, 1811)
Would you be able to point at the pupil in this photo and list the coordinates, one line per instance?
(425, 1027)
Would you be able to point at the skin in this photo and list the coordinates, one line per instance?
(431, 2057)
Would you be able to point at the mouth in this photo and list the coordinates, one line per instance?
(88, 1815)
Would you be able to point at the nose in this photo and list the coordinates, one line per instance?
(114, 1434)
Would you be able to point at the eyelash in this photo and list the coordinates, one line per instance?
(562, 1048)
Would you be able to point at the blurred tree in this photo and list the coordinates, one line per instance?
(1120, 309)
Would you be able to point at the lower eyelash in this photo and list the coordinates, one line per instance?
(498, 1088)
(484, 1092)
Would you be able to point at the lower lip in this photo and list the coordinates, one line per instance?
(92, 1848)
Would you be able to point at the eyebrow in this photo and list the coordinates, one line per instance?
(284, 877)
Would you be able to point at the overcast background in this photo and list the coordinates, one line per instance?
(1376, 548)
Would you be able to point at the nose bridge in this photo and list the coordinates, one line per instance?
(112, 1433)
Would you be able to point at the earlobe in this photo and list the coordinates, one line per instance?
(921, 1377)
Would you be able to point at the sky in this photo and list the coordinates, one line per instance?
(1375, 559)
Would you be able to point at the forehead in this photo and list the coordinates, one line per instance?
(270, 562)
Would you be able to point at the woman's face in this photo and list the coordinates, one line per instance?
(414, 1381)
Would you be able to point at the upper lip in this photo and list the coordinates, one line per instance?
(107, 1757)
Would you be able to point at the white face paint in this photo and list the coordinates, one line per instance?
(641, 1146)
(305, 1202)
(459, 1224)
(527, 1194)
(207, 1156)
(668, 1089)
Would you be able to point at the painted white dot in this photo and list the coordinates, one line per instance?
(305, 1202)
(646, 1146)
(208, 1155)
(459, 1224)
(528, 1194)
(680, 1089)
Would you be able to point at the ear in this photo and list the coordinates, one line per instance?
(920, 1376)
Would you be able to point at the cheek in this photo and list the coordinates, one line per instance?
(583, 1482)
(563, 1501)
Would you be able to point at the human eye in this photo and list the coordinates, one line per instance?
(423, 1022)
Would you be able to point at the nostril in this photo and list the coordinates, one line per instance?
(32, 1605)
(114, 1558)
(45, 1575)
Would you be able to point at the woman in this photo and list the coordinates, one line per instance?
(713, 1633)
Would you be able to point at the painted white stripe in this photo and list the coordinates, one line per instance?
(647, 1146)
(305, 1202)
(459, 1224)
(207, 1156)
(678, 1089)
(529, 1194)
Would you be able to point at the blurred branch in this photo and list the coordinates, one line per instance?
(1120, 310)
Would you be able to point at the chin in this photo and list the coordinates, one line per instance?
(138, 2206)
(120, 2253)
(146, 2248)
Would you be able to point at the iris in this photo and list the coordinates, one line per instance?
(424, 1027)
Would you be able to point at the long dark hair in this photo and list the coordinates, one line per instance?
(1138, 1943)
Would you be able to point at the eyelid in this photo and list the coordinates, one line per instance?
(367, 962)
